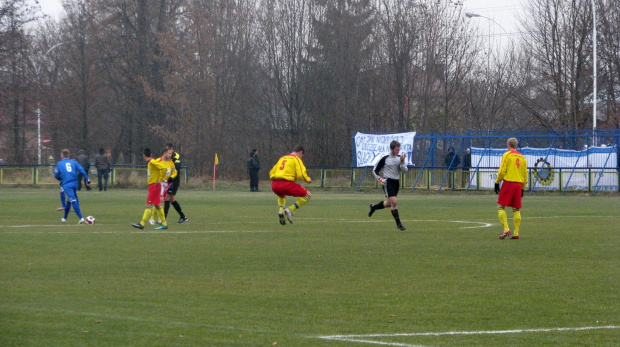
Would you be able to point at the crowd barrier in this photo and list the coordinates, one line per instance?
(44, 174)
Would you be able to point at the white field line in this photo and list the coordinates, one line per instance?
(163, 232)
(481, 332)
(372, 342)
(326, 220)
(480, 224)
(136, 319)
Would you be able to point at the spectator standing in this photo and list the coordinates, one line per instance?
(254, 168)
(121, 159)
(84, 162)
(102, 163)
(452, 162)
(466, 167)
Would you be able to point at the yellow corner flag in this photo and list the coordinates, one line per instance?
(217, 161)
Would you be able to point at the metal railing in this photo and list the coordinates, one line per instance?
(44, 174)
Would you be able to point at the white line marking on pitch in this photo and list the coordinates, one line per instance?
(481, 224)
(373, 342)
(163, 232)
(365, 338)
(138, 319)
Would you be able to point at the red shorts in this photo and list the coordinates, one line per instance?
(510, 194)
(284, 187)
(154, 197)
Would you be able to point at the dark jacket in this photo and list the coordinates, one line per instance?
(254, 162)
(83, 160)
(455, 163)
(467, 161)
(102, 162)
(176, 159)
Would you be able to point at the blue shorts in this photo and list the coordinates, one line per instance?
(70, 192)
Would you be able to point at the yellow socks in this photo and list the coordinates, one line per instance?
(503, 218)
(517, 217)
(281, 203)
(299, 203)
(145, 216)
(162, 216)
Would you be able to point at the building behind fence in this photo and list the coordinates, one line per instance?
(591, 168)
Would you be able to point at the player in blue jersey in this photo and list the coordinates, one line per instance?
(67, 173)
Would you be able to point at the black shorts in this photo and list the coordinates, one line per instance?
(391, 187)
(172, 189)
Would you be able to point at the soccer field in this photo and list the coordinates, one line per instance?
(233, 276)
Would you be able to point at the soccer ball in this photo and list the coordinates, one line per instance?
(90, 220)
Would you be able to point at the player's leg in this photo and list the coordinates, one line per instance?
(392, 187)
(503, 220)
(99, 176)
(381, 204)
(106, 175)
(394, 209)
(160, 213)
(277, 189)
(63, 200)
(504, 199)
(300, 201)
(152, 216)
(71, 192)
(172, 191)
(303, 196)
(67, 205)
(516, 210)
(517, 220)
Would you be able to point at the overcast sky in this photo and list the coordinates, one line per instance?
(504, 12)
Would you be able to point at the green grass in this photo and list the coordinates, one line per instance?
(233, 276)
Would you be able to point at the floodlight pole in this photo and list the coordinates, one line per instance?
(474, 15)
(37, 69)
(594, 77)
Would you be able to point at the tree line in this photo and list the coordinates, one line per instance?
(226, 76)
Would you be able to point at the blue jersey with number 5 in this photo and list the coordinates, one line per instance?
(67, 172)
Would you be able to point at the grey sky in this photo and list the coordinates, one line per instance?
(504, 12)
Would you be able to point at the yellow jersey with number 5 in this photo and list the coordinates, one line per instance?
(513, 168)
(290, 168)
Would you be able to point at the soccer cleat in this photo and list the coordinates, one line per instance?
(161, 227)
(515, 237)
(63, 220)
(401, 227)
(60, 209)
(183, 220)
(138, 226)
(289, 215)
(281, 216)
(82, 221)
(504, 234)
(372, 210)
(151, 221)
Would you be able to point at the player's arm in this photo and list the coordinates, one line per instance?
(177, 163)
(524, 172)
(304, 175)
(378, 166)
(403, 163)
(502, 168)
(81, 170)
(57, 173)
(175, 172)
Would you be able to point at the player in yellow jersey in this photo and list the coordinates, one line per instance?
(156, 171)
(513, 171)
(169, 175)
(284, 176)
